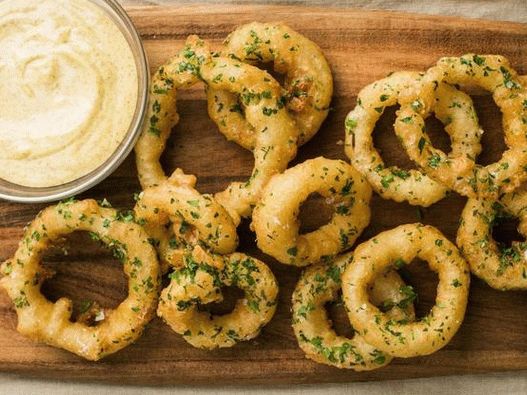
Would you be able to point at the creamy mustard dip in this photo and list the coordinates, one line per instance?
(68, 90)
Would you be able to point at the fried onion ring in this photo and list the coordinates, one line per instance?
(320, 285)
(181, 72)
(276, 135)
(456, 111)
(199, 282)
(392, 249)
(503, 268)
(391, 182)
(308, 82)
(275, 218)
(42, 320)
(194, 218)
(494, 74)
(276, 138)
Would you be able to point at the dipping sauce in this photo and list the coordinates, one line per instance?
(68, 90)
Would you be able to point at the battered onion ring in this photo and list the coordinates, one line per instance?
(276, 132)
(502, 268)
(42, 320)
(276, 138)
(180, 72)
(308, 82)
(199, 282)
(195, 218)
(319, 285)
(456, 111)
(494, 74)
(398, 247)
(275, 218)
(394, 183)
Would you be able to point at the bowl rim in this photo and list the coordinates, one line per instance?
(126, 146)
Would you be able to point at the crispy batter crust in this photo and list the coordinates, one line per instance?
(275, 218)
(48, 322)
(398, 247)
(177, 216)
(494, 74)
(320, 285)
(503, 268)
(199, 282)
(308, 84)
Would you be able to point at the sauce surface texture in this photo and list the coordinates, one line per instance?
(68, 90)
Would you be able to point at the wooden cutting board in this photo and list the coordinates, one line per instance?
(361, 47)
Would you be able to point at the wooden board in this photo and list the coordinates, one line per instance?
(361, 47)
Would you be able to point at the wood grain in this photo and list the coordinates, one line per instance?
(361, 47)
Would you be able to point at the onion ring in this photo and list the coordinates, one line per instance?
(275, 218)
(503, 268)
(195, 218)
(494, 74)
(320, 285)
(456, 111)
(391, 182)
(199, 282)
(398, 247)
(276, 139)
(308, 82)
(181, 72)
(42, 320)
(225, 110)
(276, 132)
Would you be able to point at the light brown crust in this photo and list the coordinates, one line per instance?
(276, 133)
(308, 85)
(398, 247)
(391, 182)
(503, 268)
(48, 322)
(320, 285)
(494, 74)
(177, 216)
(180, 72)
(199, 282)
(276, 139)
(275, 218)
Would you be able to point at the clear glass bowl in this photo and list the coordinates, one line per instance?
(18, 193)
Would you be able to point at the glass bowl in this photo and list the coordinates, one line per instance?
(18, 193)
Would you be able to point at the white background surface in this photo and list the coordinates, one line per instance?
(508, 383)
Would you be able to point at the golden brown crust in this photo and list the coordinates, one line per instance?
(48, 322)
(308, 84)
(398, 247)
(494, 74)
(275, 218)
(177, 216)
(199, 282)
(320, 285)
(503, 268)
